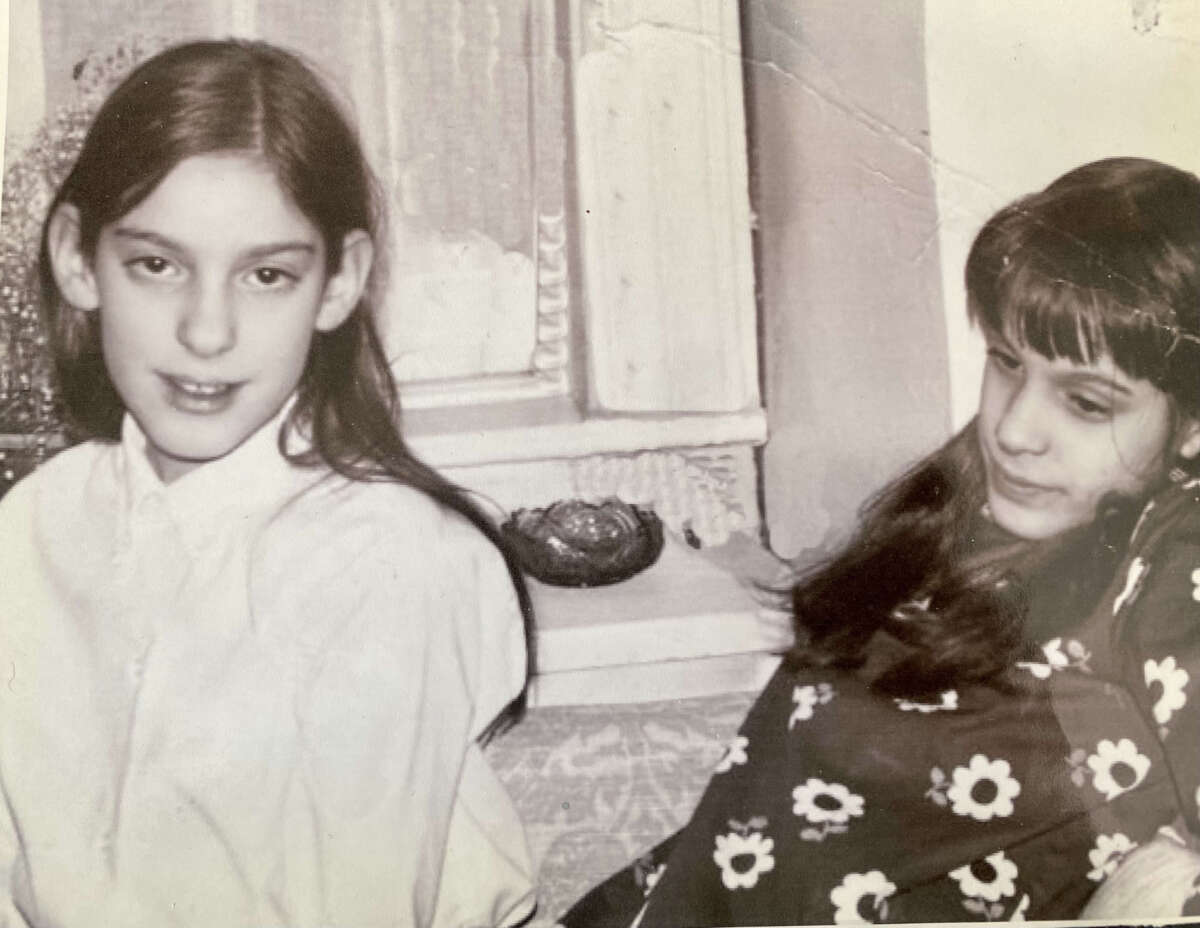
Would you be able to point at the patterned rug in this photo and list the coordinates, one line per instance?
(599, 785)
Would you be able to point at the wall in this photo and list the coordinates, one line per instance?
(23, 51)
(856, 372)
(882, 136)
(1024, 90)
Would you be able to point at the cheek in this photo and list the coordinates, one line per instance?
(1128, 463)
(1144, 463)
(128, 330)
(991, 398)
(1149, 437)
(281, 340)
(126, 313)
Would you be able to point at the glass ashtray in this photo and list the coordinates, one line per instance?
(577, 543)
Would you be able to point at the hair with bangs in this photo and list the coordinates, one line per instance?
(1105, 262)
(247, 97)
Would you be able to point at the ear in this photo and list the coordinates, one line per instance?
(1189, 439)
(72, 270)
(345, 288)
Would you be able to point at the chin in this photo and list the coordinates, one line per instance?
(192, 446)
(1027, 523)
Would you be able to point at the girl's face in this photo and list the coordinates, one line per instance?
(1057, 437)
(209, 292)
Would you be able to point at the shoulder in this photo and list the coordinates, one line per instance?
(1157, 591)
(380, 565)
(60, 483)
(1170, 517)
(351, 518)
(345, 539)
(56, 524)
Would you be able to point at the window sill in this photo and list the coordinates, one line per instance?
(553, 428)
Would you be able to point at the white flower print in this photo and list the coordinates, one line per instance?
(1133, 583)
(984, 789)
(948, 702)
(1054, 654)
(1146, 510)
(735, 754)
(1018, 914)
(1174, 680)
(847, 897)
(1055, 660)
(990, 878)
(646, 873)
(742, 858)
(906, 611)
(828, 805)
(1109, 851)
(807, 698)
(1196, 584)
(1058, 658)
(1117, 768)
(653, 877)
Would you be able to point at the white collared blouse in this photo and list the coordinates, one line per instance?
(250, 697)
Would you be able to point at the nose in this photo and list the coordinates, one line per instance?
(207, 326)
(1022, 428)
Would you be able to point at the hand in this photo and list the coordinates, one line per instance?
(1152, 882)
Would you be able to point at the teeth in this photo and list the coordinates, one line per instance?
(201, 389)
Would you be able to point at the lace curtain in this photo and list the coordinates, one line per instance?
(460, 105)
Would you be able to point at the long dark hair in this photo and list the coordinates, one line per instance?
(1104, 261)
(214, 96)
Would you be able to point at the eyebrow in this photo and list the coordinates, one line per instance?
(1081, 377)
(258, 251)
(1086, 378)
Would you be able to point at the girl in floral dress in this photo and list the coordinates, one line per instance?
(994, 697)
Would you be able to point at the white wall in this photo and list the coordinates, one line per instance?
(1020, 91)
(23, 52)
(854, 349)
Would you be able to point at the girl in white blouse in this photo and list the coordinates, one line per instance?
(250, 644)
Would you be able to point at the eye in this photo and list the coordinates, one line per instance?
(270, 278)
(1003, 359)
(1088, 407)
(152, 266)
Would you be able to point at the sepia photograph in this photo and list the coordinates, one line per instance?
(599, 463)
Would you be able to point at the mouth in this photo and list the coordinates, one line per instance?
(1014, 487)
(199, 396)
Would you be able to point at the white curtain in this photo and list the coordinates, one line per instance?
(459, 103)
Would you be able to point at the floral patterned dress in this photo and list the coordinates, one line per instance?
(837, 805)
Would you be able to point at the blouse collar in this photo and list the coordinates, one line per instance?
(253, 476)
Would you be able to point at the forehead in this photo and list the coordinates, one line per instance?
(222, 201)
